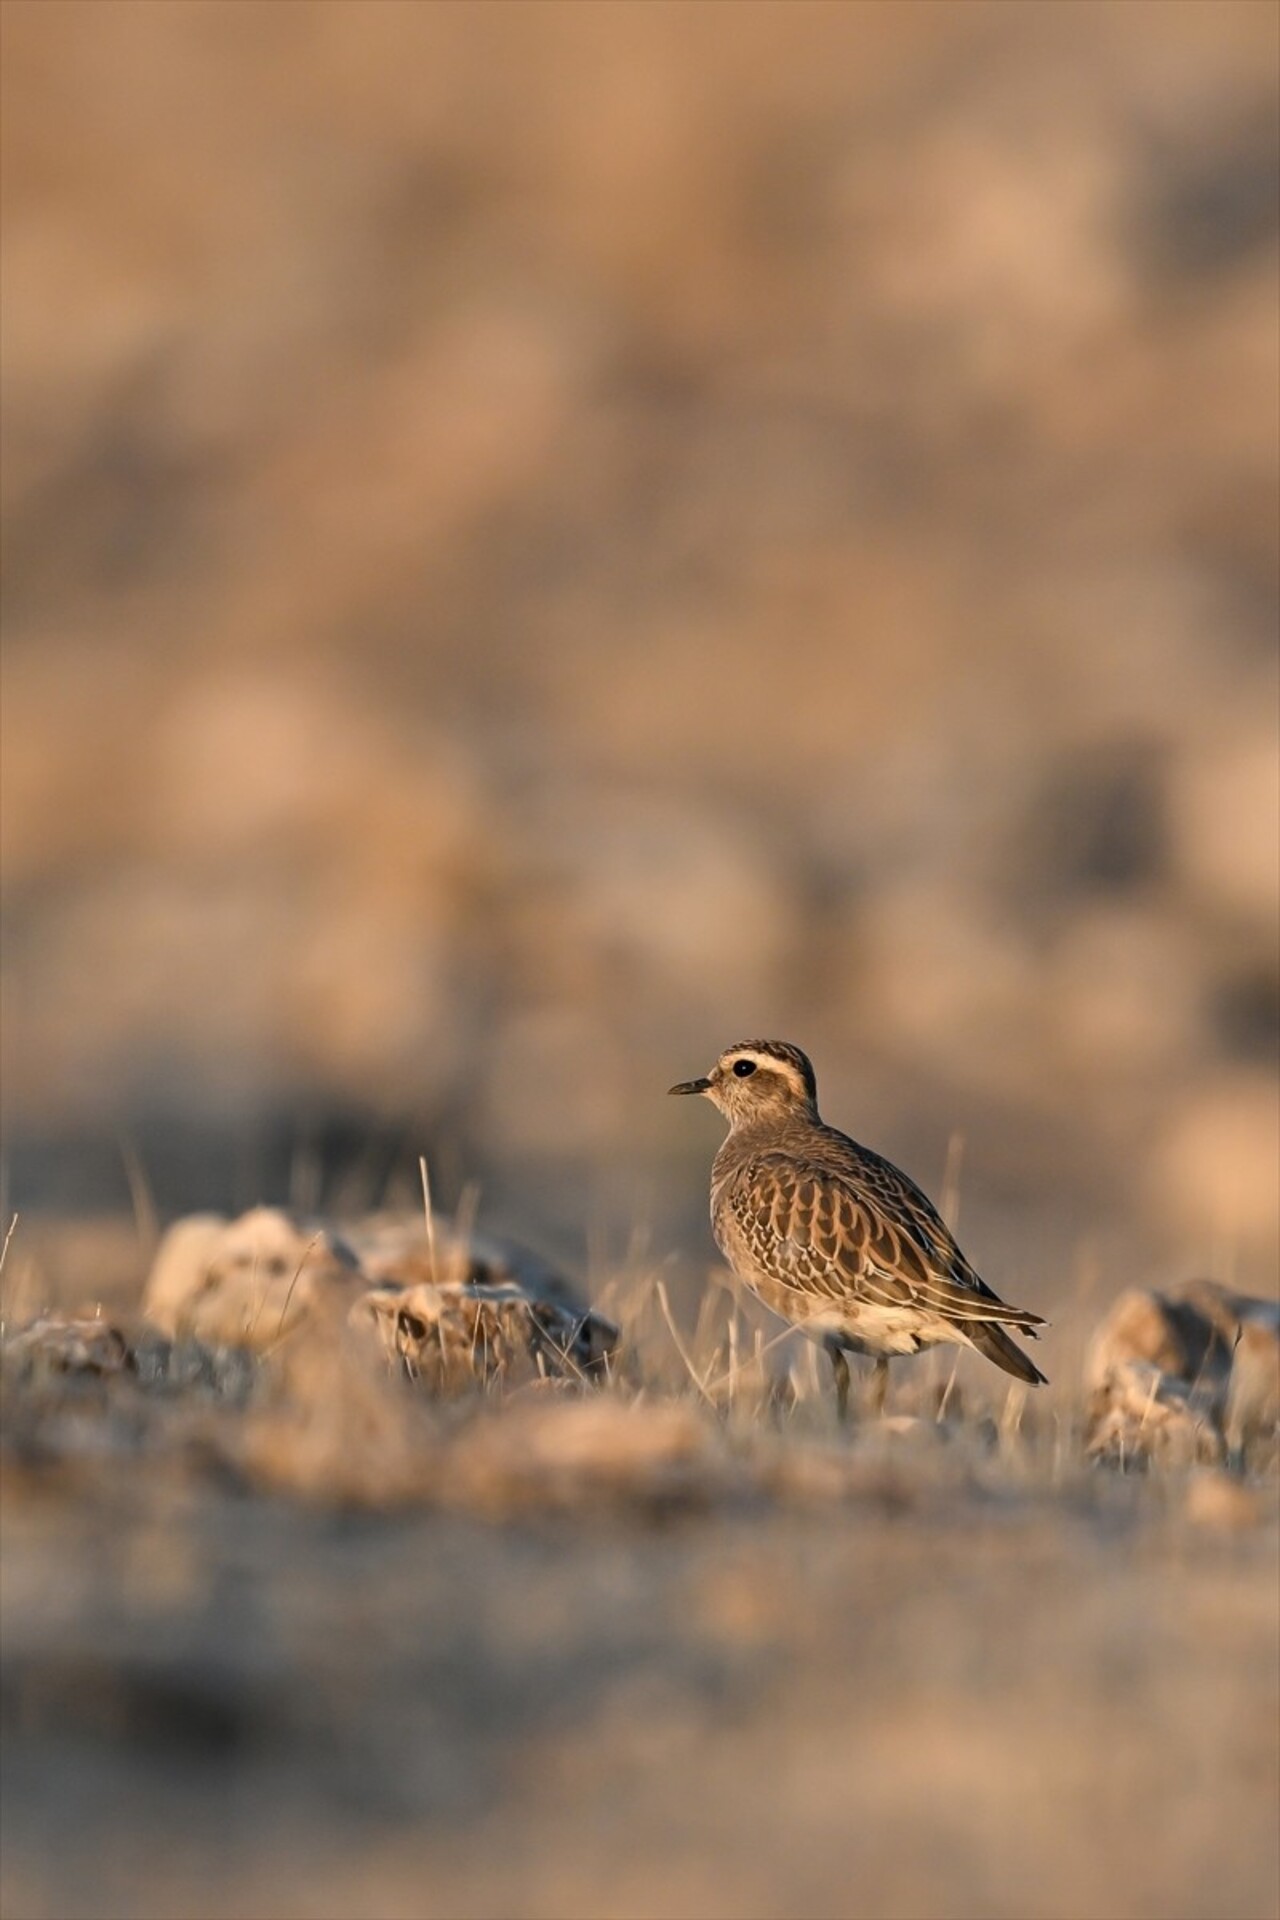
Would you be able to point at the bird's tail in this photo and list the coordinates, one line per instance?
(994, 1343)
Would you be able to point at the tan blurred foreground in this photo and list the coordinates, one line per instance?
(1010, 1707)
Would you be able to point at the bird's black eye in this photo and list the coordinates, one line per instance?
(743, 1067)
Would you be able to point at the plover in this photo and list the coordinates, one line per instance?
(833, 1237)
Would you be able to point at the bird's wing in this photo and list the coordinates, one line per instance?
(867, 1232)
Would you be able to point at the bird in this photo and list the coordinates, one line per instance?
(832, 1236)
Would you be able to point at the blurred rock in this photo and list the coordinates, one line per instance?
(394, 1250)
(248, 1282)
(455, 1336)
(59, 1344)
(183, 1262)
(1172, 1334)
(453, 1309)
(1253, 1395)
(460, 1307)
(1144, 1414)
(1227, 1310)
(178, 1367)
(1184, 1374)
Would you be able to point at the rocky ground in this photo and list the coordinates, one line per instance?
(308, 1626)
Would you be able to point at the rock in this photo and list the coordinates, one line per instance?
(246, 1282)
(453, 1336)
(178, 1367)
(462, 1307)
(1253, 1393)
(61, 1343)
(453, 1310)
(1163, 1368)
(1142, 1413)
(393, 1250)
(1226, 1310)
(183, 1262)
(1175, 1335)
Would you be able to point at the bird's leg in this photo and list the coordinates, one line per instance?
(840, 1367)
(879, 1384)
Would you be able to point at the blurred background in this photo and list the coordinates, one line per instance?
(543, 540)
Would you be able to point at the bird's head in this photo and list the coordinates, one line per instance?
(758, 1080)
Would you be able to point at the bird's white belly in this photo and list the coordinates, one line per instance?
(867, 1328)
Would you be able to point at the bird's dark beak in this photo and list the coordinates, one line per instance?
(690, 1086)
